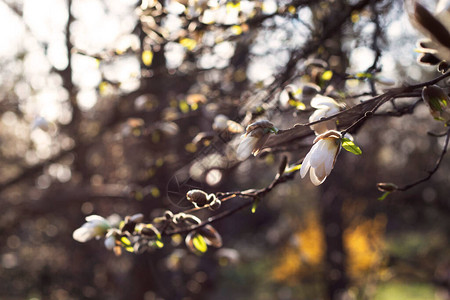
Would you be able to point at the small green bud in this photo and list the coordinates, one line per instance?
(437, 100)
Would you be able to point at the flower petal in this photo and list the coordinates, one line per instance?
(320, 102)
(314, 179)
(245, 148)
(259, 144)
(83, 234)
(92, 218)
(320, 173)
(306, 164)
(320, 152)
(110, 242)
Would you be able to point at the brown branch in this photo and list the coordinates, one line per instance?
(255, 195)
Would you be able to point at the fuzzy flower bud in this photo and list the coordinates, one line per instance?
(199, 198)
(255, 137)
(437, 100)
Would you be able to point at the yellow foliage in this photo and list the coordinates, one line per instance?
(363, 243)
(307, 253)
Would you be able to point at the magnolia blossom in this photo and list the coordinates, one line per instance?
(254, 138)
(95, 227)
(435, 26)
(303, 94)
(325, 107)
(288, 93)
(322, 156)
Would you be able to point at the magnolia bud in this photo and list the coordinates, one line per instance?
(256, 135)
(198, 197)
(437, 100)
(168, 214)
(211, 236)
(215, 204)
(259, 128)
(387, 187)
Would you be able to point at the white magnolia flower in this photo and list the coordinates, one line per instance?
(303, 94)
(254, 139)
(95, 227)
(322, 156)
(290, 92)
(435, 26)
(325, 107)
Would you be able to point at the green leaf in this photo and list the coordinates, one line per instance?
(364, 75)
(159, 244)
(350, 146)
(125, 241)
(255, 205)
(158, 241)
(293, 168)
(384, 196)
(199, 243)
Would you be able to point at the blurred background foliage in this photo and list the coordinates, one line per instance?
(110, 107)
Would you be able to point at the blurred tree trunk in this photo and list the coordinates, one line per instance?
(331, 217)
(336, 279)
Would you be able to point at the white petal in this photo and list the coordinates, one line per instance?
(306, 164)
(320, 153)
(313, 177)
(83, 234)
(320, 101)
(317, 114)
(110, 242)
(245, 148)
(320, 173)
(92, 218)
(329, 162)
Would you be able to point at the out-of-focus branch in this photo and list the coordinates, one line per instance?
(254, 195)
(431, 172)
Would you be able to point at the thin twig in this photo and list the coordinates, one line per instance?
(255, 195)
(430, 173)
